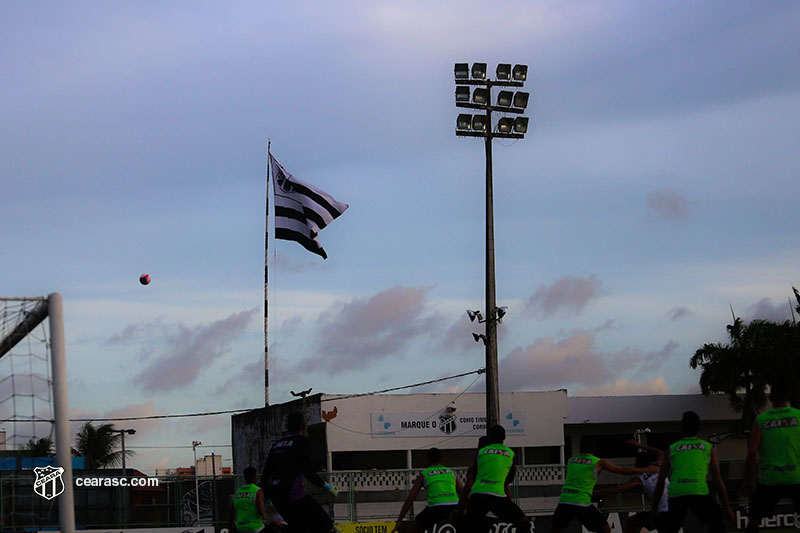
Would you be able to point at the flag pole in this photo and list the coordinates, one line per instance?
(266, 279)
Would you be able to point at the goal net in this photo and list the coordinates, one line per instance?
(33, 395)
(26, 402)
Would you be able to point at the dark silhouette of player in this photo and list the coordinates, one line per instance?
(288, 463)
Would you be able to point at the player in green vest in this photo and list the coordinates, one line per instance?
(247, 509)
(576, 495)
(690, 459)
(442, 487)
(775, 450)
(489, 491)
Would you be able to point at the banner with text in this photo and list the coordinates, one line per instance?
(447, 422)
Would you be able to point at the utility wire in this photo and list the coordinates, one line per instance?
(332, 399)
(344, 397)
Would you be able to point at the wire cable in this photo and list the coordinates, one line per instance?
(346, 396)
(247, 410)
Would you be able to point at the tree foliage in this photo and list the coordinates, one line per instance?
(756, 354)
(43, 447)
(100, 446)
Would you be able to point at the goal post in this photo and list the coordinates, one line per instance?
(25, 321)
(66, 504)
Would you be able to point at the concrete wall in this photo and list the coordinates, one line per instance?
(253, 433)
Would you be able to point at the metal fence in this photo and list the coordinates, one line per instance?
(363, 496)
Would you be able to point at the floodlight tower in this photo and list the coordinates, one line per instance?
(481, 125)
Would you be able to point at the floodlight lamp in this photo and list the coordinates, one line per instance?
(464, 122)
(478, 337)
(480, 96)
(504, 71)
(521, 99)
(521, 125)
(501, 312)
(473, 315)
(479, 71)
(504, 98)
(479, 122)
(461, 71)
(462, 93)
(505, 125)
(520, 72)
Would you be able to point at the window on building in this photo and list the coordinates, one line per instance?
(542, 455)
(662, 440)
(452, 458)
(614, 446)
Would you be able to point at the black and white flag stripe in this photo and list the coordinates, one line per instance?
(301, 210)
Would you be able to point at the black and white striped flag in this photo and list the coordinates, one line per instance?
(301, 210)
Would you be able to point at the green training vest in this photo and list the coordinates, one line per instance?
(581, 479)
(689, 458)
(779, 453)
(494, 464)
(440, 484)
(247, 517)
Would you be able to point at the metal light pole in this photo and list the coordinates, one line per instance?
(507, 128)
(195, 444)
(122, 433)
(124, 491)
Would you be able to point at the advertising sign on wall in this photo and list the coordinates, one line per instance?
(449, 422)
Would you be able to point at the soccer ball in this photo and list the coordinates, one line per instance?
(144, 279)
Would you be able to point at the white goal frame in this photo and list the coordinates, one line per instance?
(52, 307)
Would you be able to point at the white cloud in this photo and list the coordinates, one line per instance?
(570, 294)
(667, 204)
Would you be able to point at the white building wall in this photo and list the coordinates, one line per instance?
(204, 466)
(542, 414)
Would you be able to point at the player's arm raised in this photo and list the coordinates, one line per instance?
(645, 447)
(605, 464)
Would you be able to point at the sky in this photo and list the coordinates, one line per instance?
(656, 188)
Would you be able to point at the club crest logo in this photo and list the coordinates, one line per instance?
(447, 421)
(48, 483)
(284, 183)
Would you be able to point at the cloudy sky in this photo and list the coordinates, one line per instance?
(657, 186)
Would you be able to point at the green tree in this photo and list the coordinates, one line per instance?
(100, 446)
(742, 368)
(43, 447)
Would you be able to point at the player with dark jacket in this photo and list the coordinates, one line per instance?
(288, 463)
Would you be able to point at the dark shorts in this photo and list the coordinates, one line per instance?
(591, 518)
(645, 520)
(704, 507)
(767, 496)
(434, 515)
(304, 515)
(503, 508)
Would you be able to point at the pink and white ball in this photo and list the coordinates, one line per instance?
(144, 279)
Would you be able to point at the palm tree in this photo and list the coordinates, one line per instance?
(757, 353)
(99, 445)
(42, 447)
